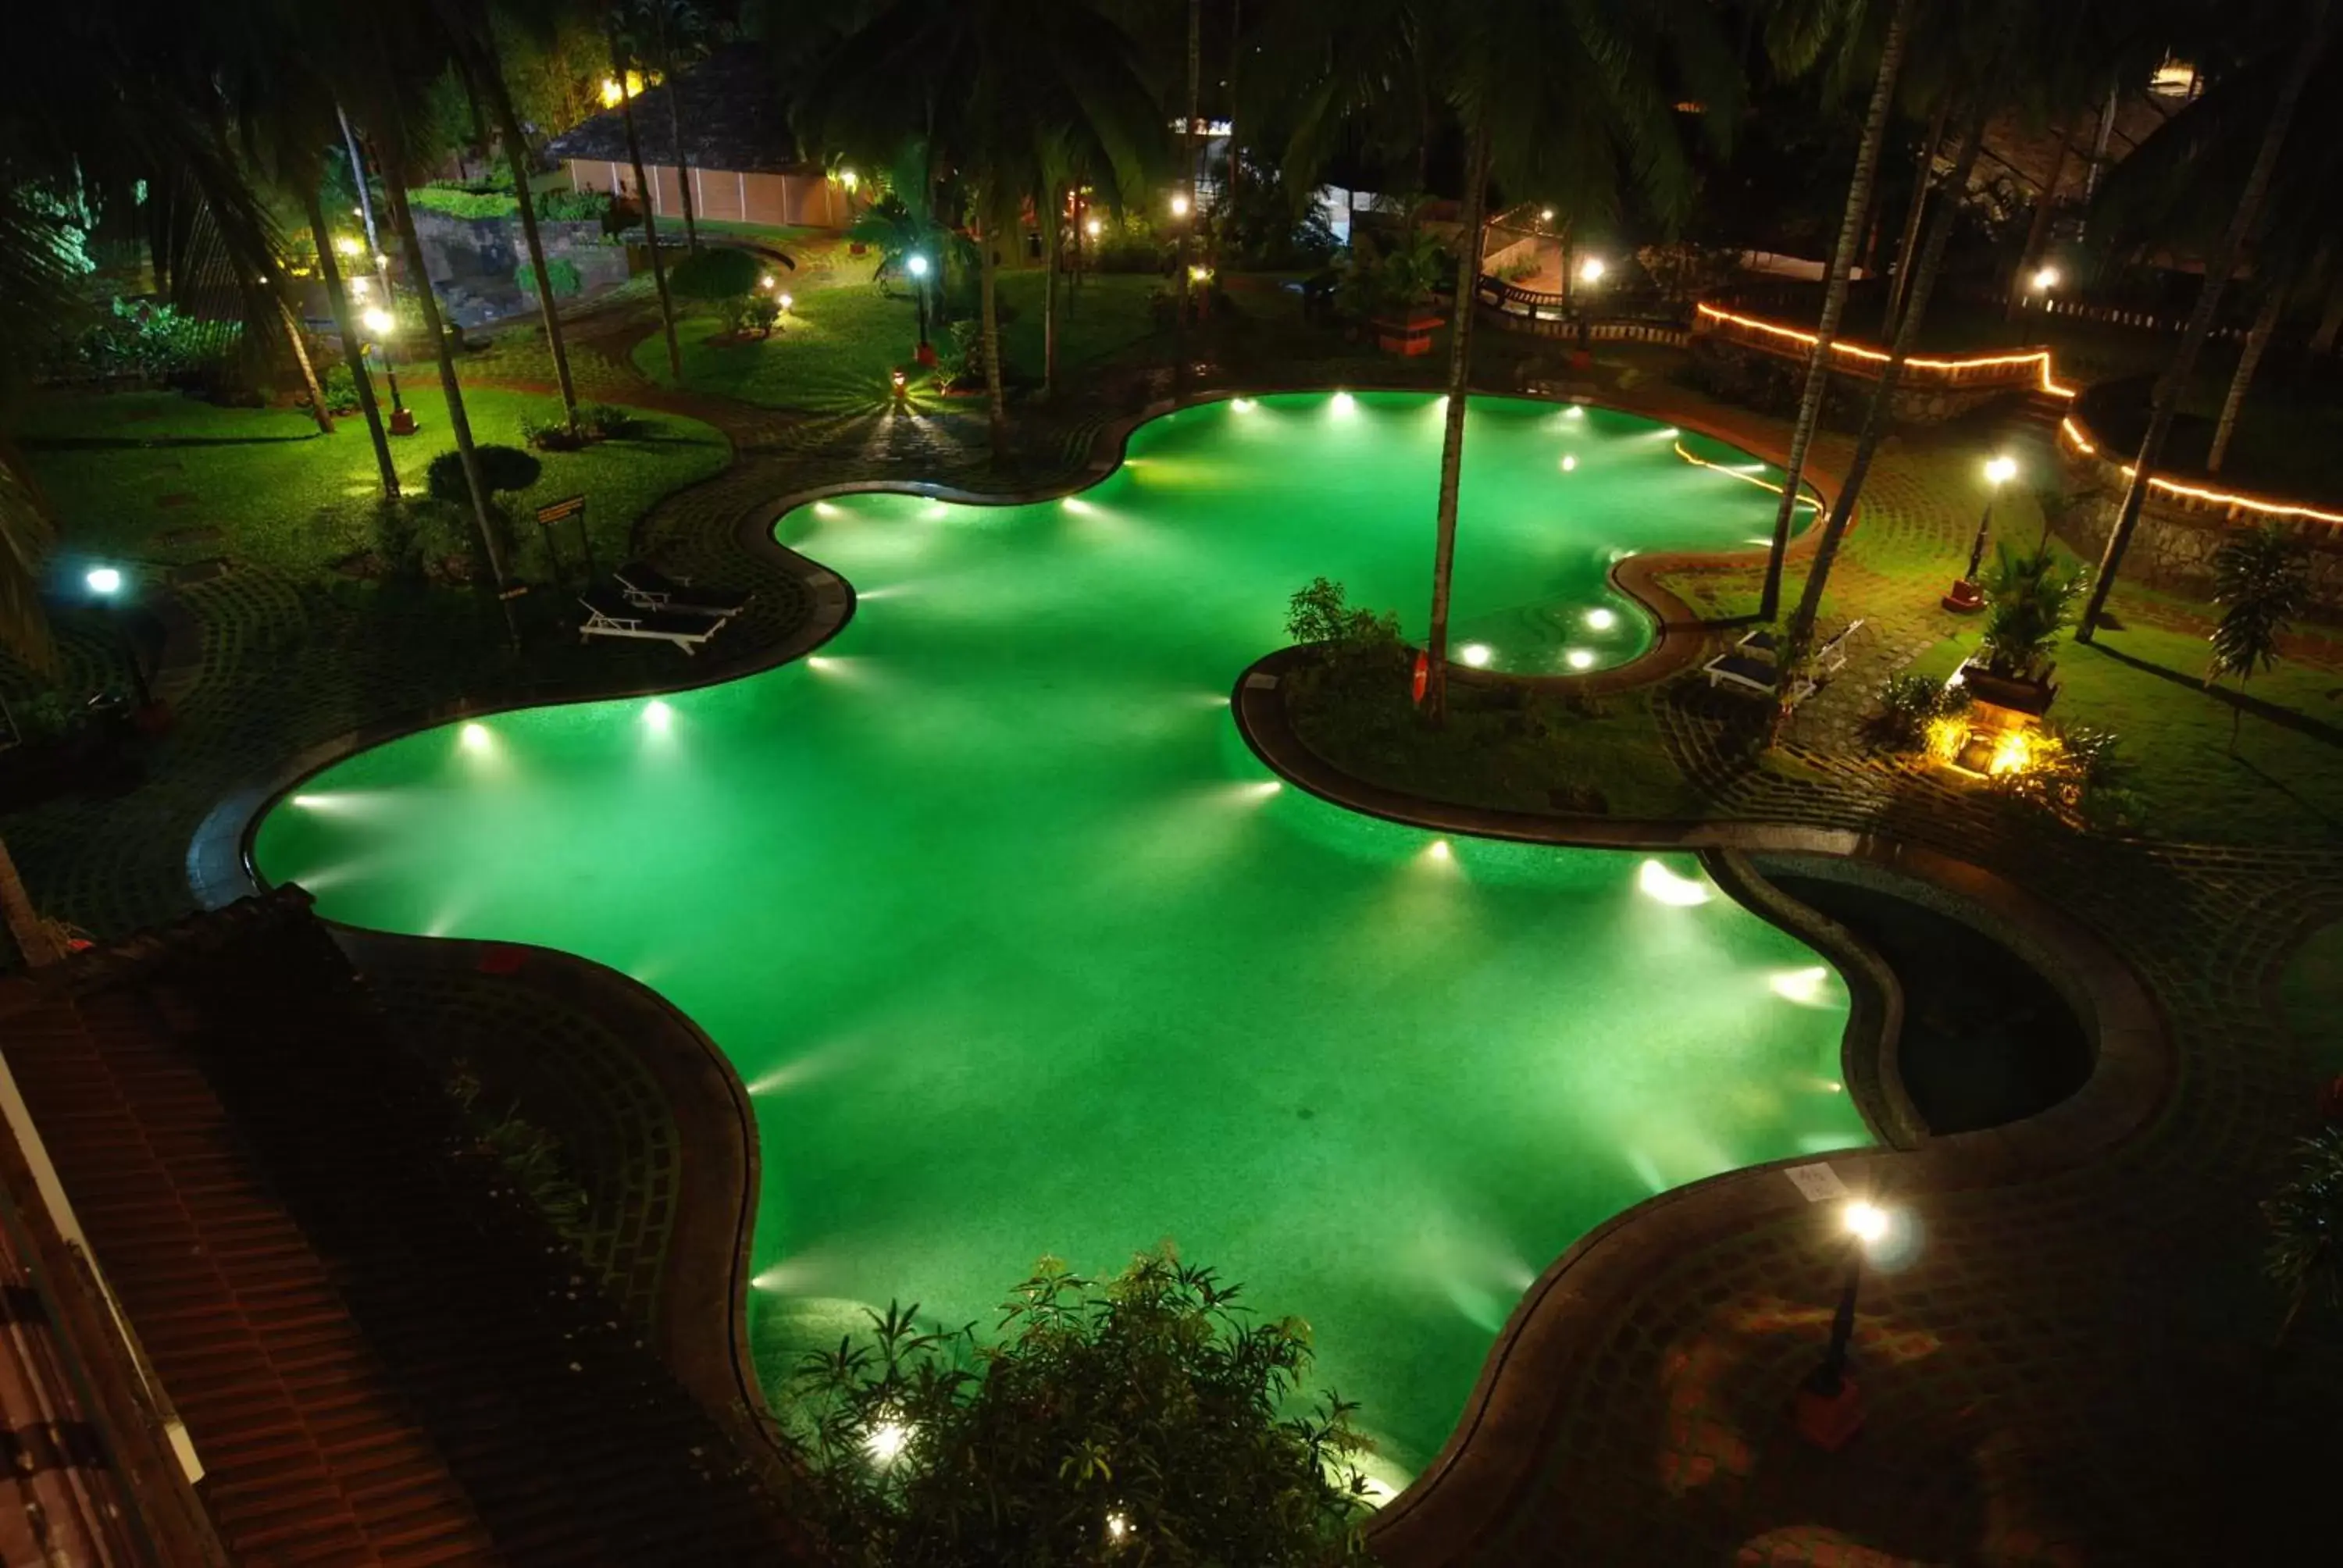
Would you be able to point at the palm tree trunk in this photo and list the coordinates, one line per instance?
(330, 273)
(1452, 435)
(2037, 233)
(460, 424)
(25, 925)
(1897, 285)
(2249, 361)
(1859, 193)
(317, 410)
(517, 155)
(2218, 268)
(1050, 297)
(988, 268)
(643, 192)
(674, 128)
(2330, 322)
(1236, 161)
(1799, 633)
(1188, 224)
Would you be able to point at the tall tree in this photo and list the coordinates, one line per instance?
(619, 61)
(338, 299)
(1185, 188)
(1799, 634)
(1003, 92)
(674, 24)
(2249, 360)
(2301, 57)
(1793, 48)
(484, 62)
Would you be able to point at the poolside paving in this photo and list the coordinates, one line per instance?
(2073, 1372)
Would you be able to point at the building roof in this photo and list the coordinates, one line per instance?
(735, 119)
(379, 1352)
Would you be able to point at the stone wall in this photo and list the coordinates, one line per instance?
(473, 260)
(1771, 383)
(2173, 547)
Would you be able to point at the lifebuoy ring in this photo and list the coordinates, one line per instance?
(1423, 673)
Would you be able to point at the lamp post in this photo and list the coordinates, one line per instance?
(1964, 596)
(381, 323)
(918, 267)
(1829, 1408)
(104, 585)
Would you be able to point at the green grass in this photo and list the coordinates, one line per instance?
(143, 475)
(2145, 685)
(1501, 748)
(841, 342)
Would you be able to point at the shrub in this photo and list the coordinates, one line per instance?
(1143, 1411)
(717, 273)
(341, 388)
(573, 207)
(559, 271)
(2028, 600)
(1908, 703)
(732, 313)
(552, 435)
(605, 421)
(2305, 1253)
(2075, 772)
(764, 313)
(463, 202)
(150, 339)
(1353, 645)
(501, 468)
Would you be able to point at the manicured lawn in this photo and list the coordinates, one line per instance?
(158, 477)
(2144, 683)
(840, 344)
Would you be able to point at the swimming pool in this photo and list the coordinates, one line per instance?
(1019, 950)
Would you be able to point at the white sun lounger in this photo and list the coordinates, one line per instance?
(609, 613)
(1743, 672)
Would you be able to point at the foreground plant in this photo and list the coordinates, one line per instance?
(1138, 1419)
(2305, 1256)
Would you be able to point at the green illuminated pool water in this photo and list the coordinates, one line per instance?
(1020, 951)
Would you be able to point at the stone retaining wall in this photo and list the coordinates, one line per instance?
(473, 260)
(2173, 547)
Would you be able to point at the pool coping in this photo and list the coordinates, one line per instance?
(220, 867)
(1492, 1457)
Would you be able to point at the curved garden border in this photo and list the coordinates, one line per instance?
(220, 869)
(1494, 1451)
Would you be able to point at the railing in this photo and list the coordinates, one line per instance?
(2117, 316)
(1548, 315)
(2026, 370)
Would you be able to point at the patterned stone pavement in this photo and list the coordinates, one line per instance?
(2072, 1371)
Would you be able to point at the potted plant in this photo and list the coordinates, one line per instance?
(2029, 597)
(1394, 291)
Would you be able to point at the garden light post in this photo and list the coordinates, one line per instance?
(918, 267)
(1963, 595)
(1827, 1408)
(380, 324)
(104, 585)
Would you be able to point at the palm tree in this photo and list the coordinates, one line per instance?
(2298, 58)
(1570, 101)
(1980, 100)
(1793, 48)
(474, 30)
(2263, 577)
(1002, 92)
(619, 60)
(677, 28)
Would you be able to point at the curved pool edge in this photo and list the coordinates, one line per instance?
(1499, 1444)
(220, 867)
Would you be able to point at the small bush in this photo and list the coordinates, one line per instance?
(341, 389)
(763, 313)
(573, 207)
(1908, 703)
(464, 203)
(605, 421)
(732, 313)
(2076, 773)
(553, 435)
(501, 468)
(716, 274)
(561, 273)
(1353, 645)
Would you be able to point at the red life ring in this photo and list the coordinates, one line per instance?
(1423, 673)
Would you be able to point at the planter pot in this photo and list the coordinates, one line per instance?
(2026, 699)
(1408, 336)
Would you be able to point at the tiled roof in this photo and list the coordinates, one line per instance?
(379, 1352)
(734, 119)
